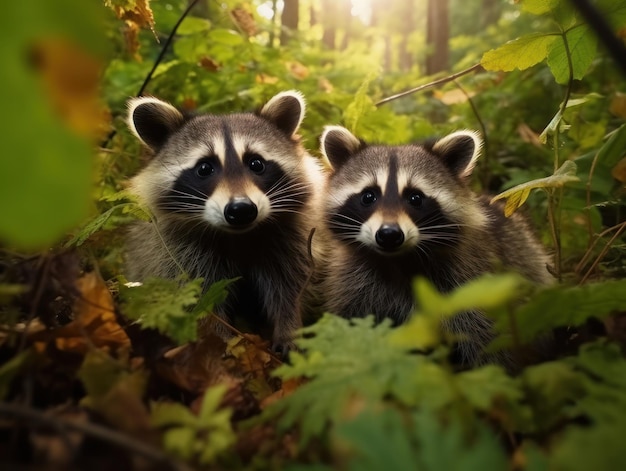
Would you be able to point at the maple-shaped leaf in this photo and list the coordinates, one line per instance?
(173, 307)
(346, 360)
(517, 196)
(386, 439)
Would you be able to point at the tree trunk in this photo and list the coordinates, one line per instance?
(330, 12)
(437, 36)
(347, 21)
(492, 9)
(289, 21)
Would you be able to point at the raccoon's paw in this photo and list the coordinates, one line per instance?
(282, 347)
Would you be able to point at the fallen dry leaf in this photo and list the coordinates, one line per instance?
(94, 324)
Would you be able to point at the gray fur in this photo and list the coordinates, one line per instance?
(355, 279)
(272, 255)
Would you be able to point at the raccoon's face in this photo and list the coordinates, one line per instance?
(397, 199)
(231, 172)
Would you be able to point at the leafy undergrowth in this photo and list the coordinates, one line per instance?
(85, 386)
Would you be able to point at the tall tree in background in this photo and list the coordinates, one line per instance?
(437, 33)
(330, 13)
(289, 21)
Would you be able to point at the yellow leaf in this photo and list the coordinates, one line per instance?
(517, 195)
(515, 201)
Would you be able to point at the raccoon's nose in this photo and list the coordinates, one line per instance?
(240, 212)
(389, 236)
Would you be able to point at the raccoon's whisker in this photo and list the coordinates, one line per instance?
(292, 190)
(200, 195)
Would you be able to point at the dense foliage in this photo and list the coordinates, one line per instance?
(98, 371)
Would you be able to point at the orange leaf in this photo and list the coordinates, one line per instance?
(94, 323)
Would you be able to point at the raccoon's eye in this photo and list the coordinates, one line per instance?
(416, 199)
(204, 169)
(368, 197)
(256, 164)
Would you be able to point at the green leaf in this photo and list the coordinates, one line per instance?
(173, 307)
(345, 359)
(383, 440)
(567, 306)
(614, 148)
(164, 305)
(360, 106)
(552, 391)
(520, 53)
(517, 195)
(193, 25)
(482, 386)
(214, 296)
(378, 441)
(204, 437)
(101, 220)
(582, 44)
(451, 447)
(603, 444)
(225, 37)
(46, 171)
(539, 7)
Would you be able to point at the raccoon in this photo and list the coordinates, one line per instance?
(392, 213)
(232, 196)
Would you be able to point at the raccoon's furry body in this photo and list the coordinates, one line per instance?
(231, 197)
(394, 213)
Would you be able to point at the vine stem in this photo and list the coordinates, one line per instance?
(555, 197)
(434, 83)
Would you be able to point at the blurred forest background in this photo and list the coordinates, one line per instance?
(82, 385)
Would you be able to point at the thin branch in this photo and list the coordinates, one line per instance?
(589, 251)
(603, 253)
(440, 81)
(96, 431)
(483, 129)
(157, 62)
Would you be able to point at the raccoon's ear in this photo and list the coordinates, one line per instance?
(153, 120)
(286, 111)
(338, 144)
(459, 151)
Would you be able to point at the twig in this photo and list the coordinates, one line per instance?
(447, 79)
(588, 253)
(603, 253)
(96, 431)
(158, 60)
(485, 162)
